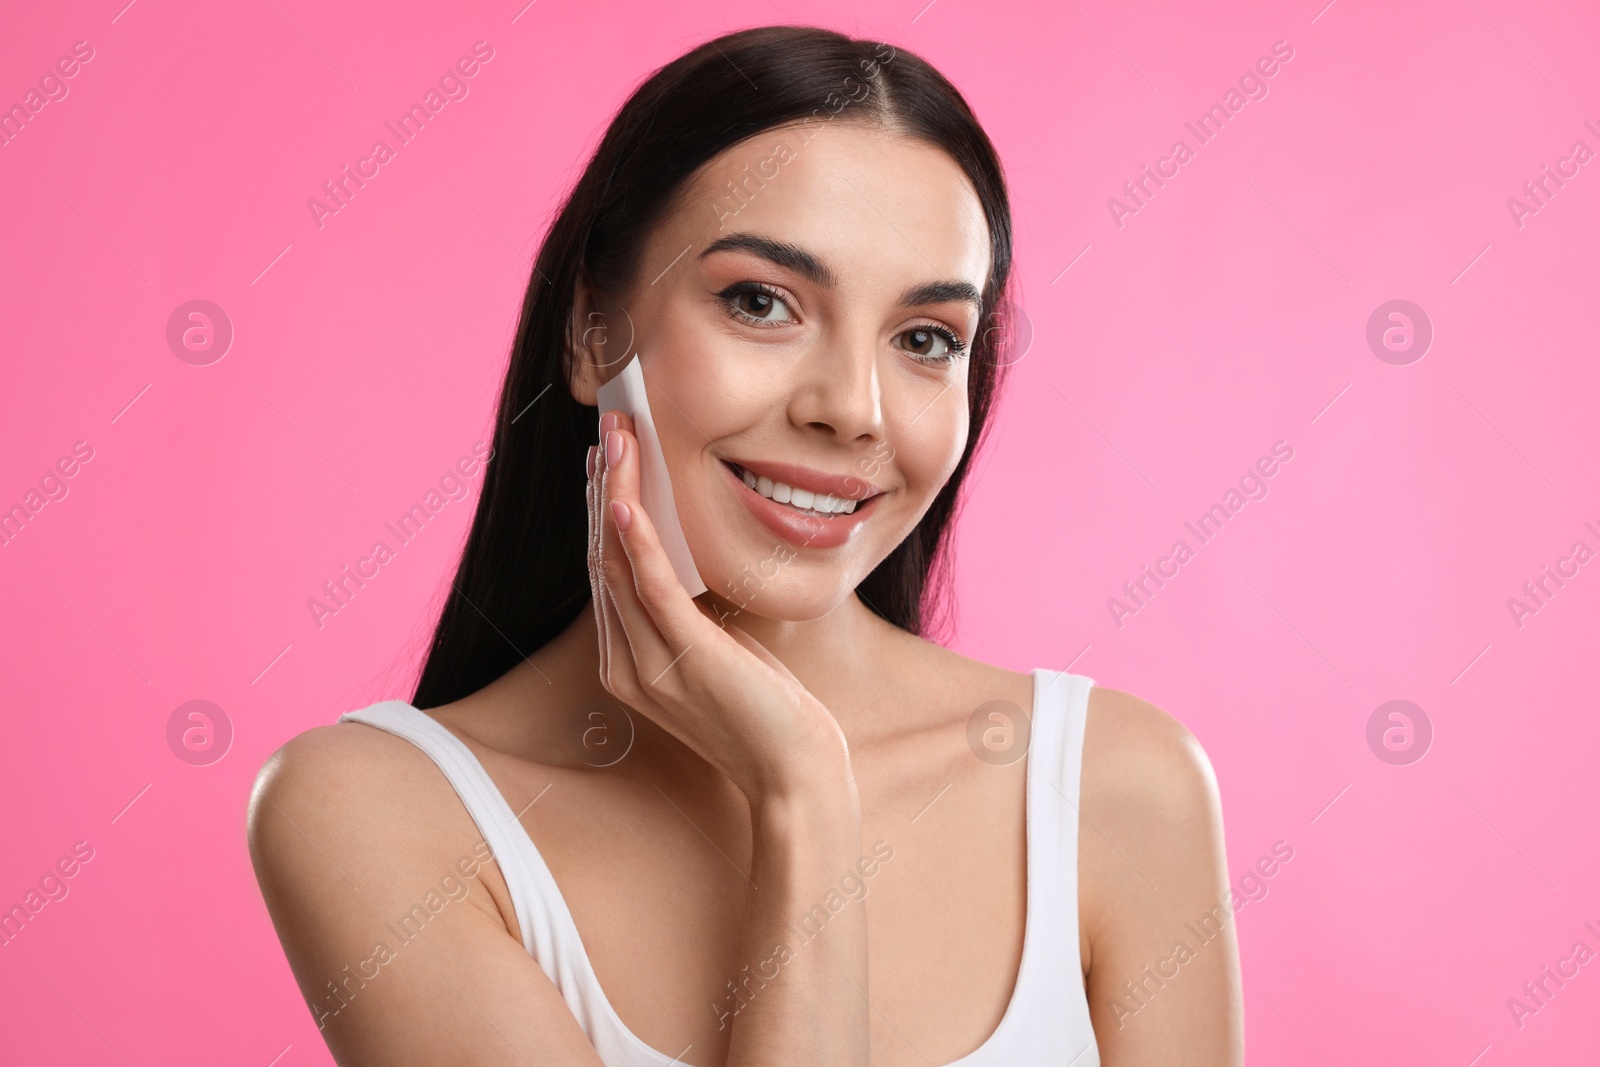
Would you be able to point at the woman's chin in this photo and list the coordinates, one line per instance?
(753, 572)
(784, 599)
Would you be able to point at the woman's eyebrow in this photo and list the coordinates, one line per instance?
(808, 266)
(782, 253)
(942, 293)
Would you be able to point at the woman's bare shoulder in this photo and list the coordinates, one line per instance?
(1153, 886)
(1151, 835)
(347, 764)
(1136, 753)
(330, 754)
(354, 792)
(365, 856)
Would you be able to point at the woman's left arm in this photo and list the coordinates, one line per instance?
(1155, 909)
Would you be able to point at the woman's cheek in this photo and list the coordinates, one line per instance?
(932, 446)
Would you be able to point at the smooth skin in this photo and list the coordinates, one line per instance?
(780, 733)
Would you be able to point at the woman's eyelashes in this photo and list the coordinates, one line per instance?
(761, 305)
(954, 346)
(762, 299)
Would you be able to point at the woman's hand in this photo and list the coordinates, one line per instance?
(714, 688)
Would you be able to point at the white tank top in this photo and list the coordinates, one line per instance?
(1047, 1019)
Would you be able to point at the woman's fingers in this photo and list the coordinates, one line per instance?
(617, 670)
(658, 590)
(651, 655)
(620, 493)
(597, 592)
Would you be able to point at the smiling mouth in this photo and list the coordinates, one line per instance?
(802, 501)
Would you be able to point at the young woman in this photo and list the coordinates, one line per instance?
(771, 824)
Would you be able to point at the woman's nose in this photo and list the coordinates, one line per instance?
(840, 391)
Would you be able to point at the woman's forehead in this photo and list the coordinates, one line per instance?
(877, 207)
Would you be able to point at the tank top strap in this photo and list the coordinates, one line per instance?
(1061, 712)
(1061, 704)
(549, 933)
(1055, 754)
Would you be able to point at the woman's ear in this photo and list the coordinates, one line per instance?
(598, 344)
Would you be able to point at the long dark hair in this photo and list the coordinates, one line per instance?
(523, 575)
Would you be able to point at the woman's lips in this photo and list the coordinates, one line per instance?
(839, 486)
(798, 527)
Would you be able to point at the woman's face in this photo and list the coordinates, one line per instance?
(803, 320)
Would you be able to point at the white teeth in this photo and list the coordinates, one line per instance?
(804, 499)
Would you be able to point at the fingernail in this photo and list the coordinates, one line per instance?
(608, 422)
(613, 448)
(589, 461)
(620, 512)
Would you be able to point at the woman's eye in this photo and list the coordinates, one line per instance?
(761, 305)
(933, 344)
(756, 303)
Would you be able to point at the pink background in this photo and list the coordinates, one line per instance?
(1227, 314)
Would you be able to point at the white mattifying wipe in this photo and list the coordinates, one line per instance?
(626, 393)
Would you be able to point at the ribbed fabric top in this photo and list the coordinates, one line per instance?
(1047, 1019)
